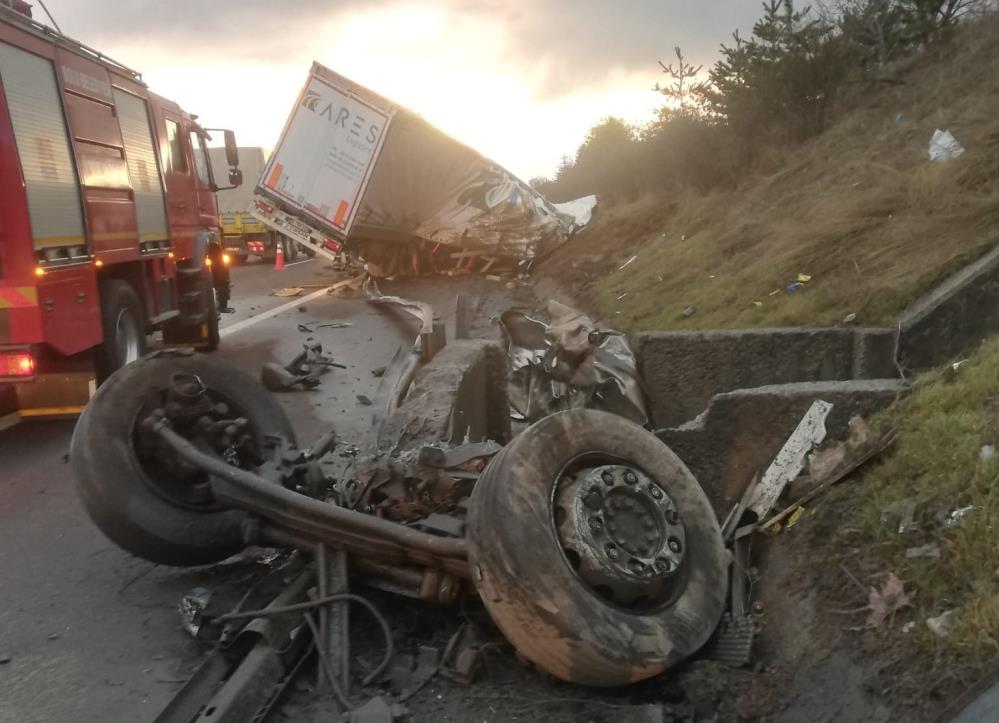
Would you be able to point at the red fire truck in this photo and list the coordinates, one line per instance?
(108, 220)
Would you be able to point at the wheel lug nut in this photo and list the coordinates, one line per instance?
(630, 478)
(612, 552)
(596, 524)
(607, 477)
(656, 493)
(663, 566)
(674, 544)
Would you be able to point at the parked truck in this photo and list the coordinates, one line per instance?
(243, 233)
(108, 221)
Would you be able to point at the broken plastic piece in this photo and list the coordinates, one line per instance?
(957, 515)
(944, 146)
(790, 460)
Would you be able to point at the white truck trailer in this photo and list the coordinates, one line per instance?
(352, 167)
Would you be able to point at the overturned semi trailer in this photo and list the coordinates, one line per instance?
(353, 167)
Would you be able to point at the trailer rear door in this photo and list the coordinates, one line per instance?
(328, 150)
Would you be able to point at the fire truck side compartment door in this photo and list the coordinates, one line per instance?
(143, 170)
(36, 113)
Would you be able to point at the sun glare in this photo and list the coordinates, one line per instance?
(459, 71)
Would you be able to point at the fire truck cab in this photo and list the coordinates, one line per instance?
(108, 221)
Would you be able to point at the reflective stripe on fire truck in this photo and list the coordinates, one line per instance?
(13, 297)
(42, 141)
(136, 135)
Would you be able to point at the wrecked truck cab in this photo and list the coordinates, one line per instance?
(589, 542)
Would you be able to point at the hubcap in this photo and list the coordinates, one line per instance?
(622, 534)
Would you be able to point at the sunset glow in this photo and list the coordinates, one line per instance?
(467, 71)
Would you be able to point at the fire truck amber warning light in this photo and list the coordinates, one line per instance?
(226, 259)
(17, 365)
(39, 271)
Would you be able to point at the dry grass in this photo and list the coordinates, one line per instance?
(860, 209)
(936, 464)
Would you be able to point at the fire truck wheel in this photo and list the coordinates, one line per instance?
(123, 320)
(595, 550)
(136, 494)
(212, 319)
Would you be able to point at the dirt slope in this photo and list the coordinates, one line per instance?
(860, 209)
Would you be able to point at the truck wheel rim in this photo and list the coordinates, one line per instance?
(127, 338)
(621, 533)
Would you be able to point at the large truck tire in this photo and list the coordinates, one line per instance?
(123, 321)
(595, 550)
(201, 333)
(129, 493)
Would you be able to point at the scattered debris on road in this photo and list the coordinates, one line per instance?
(312, 327)
(304, 370)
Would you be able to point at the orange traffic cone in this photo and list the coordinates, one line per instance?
(279, 257)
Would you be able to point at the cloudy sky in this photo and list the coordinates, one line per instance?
(519, 80)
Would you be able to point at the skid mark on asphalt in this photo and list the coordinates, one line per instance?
(270, 314)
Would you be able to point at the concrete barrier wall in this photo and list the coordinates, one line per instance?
(741, 432)
(683, 370)
(954, 318)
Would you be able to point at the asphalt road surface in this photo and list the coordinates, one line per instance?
(89, 633)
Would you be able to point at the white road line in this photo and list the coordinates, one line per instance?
(296, 263)
(246, 323)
